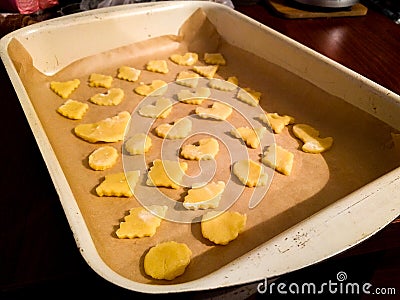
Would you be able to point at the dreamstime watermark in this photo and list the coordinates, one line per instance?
(340, 286)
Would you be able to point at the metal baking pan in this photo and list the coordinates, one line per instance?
(352, 218)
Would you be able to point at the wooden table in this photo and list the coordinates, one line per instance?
(368, 44)
(38, 251)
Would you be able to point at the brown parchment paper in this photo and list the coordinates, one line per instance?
(362, 149)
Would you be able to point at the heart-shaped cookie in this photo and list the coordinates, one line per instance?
(218, 111)
(188, 59)
(196, 97)
(161, 109)
(178, 130)
(156, 88)
(204, 149)
(114, 96)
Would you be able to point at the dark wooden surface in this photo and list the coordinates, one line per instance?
(38, 251)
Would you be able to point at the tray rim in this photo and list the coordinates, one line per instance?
(378, 196)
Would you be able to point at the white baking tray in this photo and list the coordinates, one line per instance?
(332, 230)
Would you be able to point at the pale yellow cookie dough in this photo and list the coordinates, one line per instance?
(103, 158)
(223, 228)
(218, 111)
(276, 121)
(188, 59)
(188, 78)
(118, 184)
(222, 85)
(279, 159)
(206, 71)
(64, 88)
(156, 88)
(204, 149)
(204, 197)
(250, 173)
(141, 222)
(181, 128)
(196, 97)
(73, 109)
(128, 73)
(113, 96)
(108, 130)
(214, 59)
(161, 109)
(100, 80)
(251, 136)
(158, 66)
(167, 260)
(138, 143)
(166, 173)
(310, 137)
(249, 96)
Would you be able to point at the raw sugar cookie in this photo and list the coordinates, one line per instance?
(158, 66)
(128, 73)
(188, 59)
(218, 111)
(188, 78)
(180, 129)
(223, 228)
(233, 79)
(166, 173)
(161, 109)
(249, 96)
(214, 59)
(310, 137)
(118, 184)
(276, 122)
(103, 158)
(73, 109)
(108, 130)
(222, 85)
(138, 143)
(113, 96)
(205, 148)
(204, 197)
(64, 88)
(206, 71)
(141, 222)
(279, 159)
(167, 260)
(196, 97)
(100, 80)
(251, 136)
(156, 88)
(250, 173)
